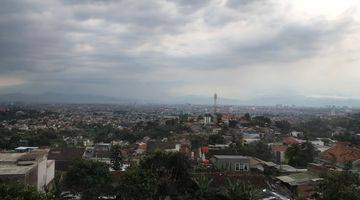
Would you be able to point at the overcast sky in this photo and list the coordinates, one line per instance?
(153, 49)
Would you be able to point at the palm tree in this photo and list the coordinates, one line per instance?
(241, 191)
(203, 183)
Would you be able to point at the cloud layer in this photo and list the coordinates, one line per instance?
(167, 48)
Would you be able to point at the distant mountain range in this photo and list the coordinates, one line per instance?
(61, 98)
(297, 100)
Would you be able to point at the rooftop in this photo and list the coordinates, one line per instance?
(341, 152)
(288, 168)
(290, 141)
(14, 169)
(66, 153)
(298, 178)
(280, 148)
(10, 157)
(230, 157)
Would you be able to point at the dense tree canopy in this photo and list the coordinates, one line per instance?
(197, 141)
(340, 186)
(283, 125)
(20, 192)
(157, 175)
(88, 178)
(216, 139)
(300, 155)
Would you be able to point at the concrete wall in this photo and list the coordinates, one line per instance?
(50, 171)
(41, 180)
(32, 177)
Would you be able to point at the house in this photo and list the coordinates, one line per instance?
(279, 153)
(233, 163)
(154, 145)
(100, 152)
(256, 164)
(29, 168)
(296, 134)
(319, 145)
(218, 146)
(301, 185)
(249, 137)
(207, 119)
(342, 154)
(183, 146)
(64, 156)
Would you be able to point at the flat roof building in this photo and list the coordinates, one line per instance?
(30, 168)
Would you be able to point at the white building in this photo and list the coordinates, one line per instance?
(207, 120)
(296, 134)
(30, 168)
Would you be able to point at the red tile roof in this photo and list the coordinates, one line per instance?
(343, 153)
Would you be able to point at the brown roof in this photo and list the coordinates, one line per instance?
(280, 148)
(342, 152)
(66, 154)
(290, 141)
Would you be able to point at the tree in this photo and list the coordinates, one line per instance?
(171, 170)
(315, 128)
(197, 141)
(261, 121)
(136, 184)
(88, 178)
(257, 149)
(204, 190)
(216, 139)
(218, 118)
(300, 155)
(116, 158)
(20, 192)
(158, 175)
(247, 116)
(340, 186)
(203, 183)
(233, 123)
(283, 125)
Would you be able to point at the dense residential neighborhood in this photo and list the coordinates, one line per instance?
(263, 151)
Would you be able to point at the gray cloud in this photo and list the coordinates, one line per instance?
(127, 47)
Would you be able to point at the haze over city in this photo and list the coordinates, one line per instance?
(168, 50)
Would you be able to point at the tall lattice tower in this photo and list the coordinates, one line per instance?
(215, 103)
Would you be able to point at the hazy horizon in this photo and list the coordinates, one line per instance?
(249, 50)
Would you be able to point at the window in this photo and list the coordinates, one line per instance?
(238, 166)
(241, 167)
